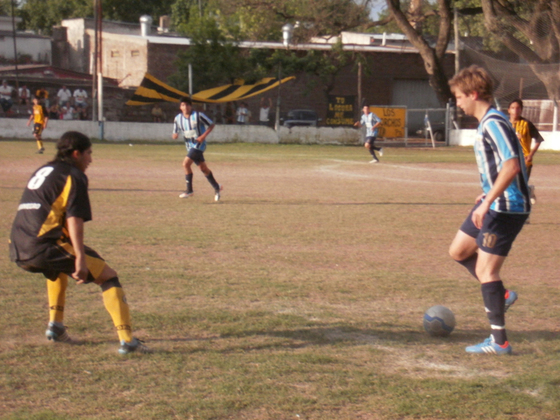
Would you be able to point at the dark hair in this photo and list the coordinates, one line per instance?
(186, 100)
(518, 101)
(70, 141)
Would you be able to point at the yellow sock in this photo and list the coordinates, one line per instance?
(56, 291)
(116, 305)
(39, 144)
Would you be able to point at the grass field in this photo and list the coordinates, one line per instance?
(299, 296)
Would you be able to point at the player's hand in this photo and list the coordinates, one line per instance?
(479, 214)
(479, 198)
(81, 271)
(528, 159)
(174, 136)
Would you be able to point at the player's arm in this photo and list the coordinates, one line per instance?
(30, 119)
(45, 117)
(509, 171)
(175, 134)
(537, 140)
(76, 232)
(202, 137)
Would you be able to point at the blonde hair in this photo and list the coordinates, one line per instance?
(473, 79)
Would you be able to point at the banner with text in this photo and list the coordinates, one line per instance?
(394, 120)
(340, 111)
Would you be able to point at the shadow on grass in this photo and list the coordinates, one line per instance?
(383, 339)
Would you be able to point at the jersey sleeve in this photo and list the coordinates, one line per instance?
(534, 132)
(503, 138)
(206, 120)
(78, 200)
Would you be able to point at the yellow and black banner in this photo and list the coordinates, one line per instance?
(152, 90)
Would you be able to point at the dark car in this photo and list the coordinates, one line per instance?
(301, 118)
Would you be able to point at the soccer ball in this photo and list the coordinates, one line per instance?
(439, 321)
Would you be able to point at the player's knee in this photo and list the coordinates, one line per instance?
(112, 282)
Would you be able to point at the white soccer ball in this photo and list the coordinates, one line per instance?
(439, 321)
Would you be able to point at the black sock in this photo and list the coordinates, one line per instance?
(470, 264)
(494, 301)
(188, 179)
(212, 181)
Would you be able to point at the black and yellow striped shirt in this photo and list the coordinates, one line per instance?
(54, 192)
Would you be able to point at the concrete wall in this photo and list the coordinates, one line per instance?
(14, 128)
(467, 137)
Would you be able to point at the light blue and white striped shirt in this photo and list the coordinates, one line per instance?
(192, 128)
(496, 142)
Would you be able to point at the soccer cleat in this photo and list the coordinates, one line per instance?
(217, 195)
(381, 152)
(511, 297)
(135, 346)
(532, 195)
(374, 161)
(489, 346)
(57, 334)
(186, 194)
(40, 151)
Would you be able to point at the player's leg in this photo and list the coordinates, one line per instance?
(368, 145)
(56, 291)
(463, 249)
(117, 306)
(493, 293)
(187, 167)
(210, 177)
(38, 139)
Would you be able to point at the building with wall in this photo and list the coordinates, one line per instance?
(394, 74)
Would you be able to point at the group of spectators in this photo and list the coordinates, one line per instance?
(239, 114)
(66, 105)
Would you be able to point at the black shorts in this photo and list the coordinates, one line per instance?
(370, 140)
(60, 258)
(498, 231)
(37, 129)
(196, 155)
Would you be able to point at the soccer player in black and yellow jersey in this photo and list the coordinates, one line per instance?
(40, 118)
(48, 237)
(528, 136)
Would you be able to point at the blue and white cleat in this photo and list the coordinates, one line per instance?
(135, 346)
(57, 333)
(511, 297)
(489, 346)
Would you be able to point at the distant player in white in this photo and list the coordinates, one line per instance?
(372, 123)
(195, 127)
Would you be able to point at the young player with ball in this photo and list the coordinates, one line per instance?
(485, 238)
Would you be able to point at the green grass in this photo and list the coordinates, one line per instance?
(299, 296)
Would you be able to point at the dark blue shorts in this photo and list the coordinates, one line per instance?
(498, 232)
(196, 155)
(370, 140)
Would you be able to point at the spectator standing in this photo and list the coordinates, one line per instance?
(80, 98)
(64, 95)
(242, 114)
(264, 111)
(6, 101)
(24, 95)
(218, 117)
(54, 111)
(229, 113)
(157, 113)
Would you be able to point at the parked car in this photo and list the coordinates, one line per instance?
(301, 118)
(438, 129)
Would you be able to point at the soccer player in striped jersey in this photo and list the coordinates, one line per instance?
(195, 127)
(48, 237)
(486, 236)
